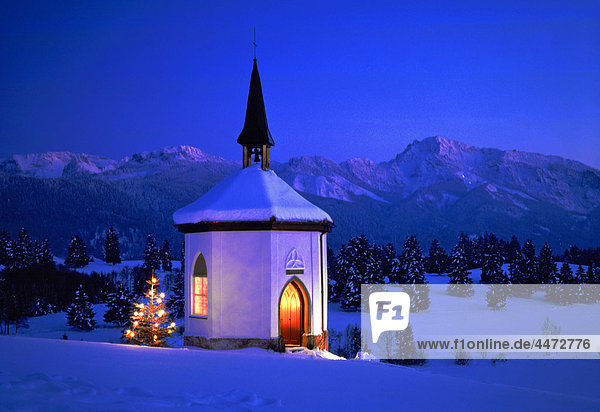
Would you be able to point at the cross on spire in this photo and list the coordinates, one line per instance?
(254, 44)
(255, 137)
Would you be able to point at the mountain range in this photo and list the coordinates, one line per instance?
(434, 188)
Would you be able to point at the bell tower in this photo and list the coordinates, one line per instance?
(255, 137)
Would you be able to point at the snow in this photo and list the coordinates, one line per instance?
(54, 326)
(99, 266)
(70, 375)
(251, 194)
(54, 164)
(311, 354)
(334, 187)
(53, 374)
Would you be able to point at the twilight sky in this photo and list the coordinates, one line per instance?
(340, 79)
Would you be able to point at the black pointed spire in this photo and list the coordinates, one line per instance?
(256, 130)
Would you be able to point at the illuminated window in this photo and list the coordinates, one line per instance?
(200, 295)
(200, 285)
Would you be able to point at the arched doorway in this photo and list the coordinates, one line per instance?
(292, 314)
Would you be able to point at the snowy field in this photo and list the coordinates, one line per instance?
(47, 374)
(99, 266)
(92, 371)
(55, 374)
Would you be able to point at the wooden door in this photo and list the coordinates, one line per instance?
(291, 313)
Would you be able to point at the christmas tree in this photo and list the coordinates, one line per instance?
(112, 251)
(80, 313)
(149, 320)
(120, 304)
(77, 256)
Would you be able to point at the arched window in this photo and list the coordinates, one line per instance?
(200, 278)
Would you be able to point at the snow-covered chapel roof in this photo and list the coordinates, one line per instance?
(251, 194)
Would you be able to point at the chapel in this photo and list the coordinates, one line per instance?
(255, 253)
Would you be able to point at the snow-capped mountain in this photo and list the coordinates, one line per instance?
(65, 164)
(434, 188)
(55, 164)
(452, 169)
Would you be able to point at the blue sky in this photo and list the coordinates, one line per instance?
(340, 79)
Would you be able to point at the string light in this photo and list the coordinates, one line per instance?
(148, 317)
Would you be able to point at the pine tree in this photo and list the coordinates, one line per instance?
(561, 292)
(438, 259)
(112, 250)
(120, 304)
(356, 264)
(45, 256)
(23, 250)
(149, 320)
(405, 348)
(460, 279)
(387, 262)
(351, 341)
(412, 260)
(492, 272)
(77, 256)
(374, 256)
(80, 313)
(337, 278)
(474, 250)
(176, 302)
(593, 281)
(529, 263)
(166, 257)
(585, 290)
(546, 270)
(334, 285)
(581, 275)
(518, 279)
(151, 254)
(6, 250)
(514, 250)
(182, 256)
(496, 296)
(595, 274)
(566, 274)
(397, 274)
(36, 252)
